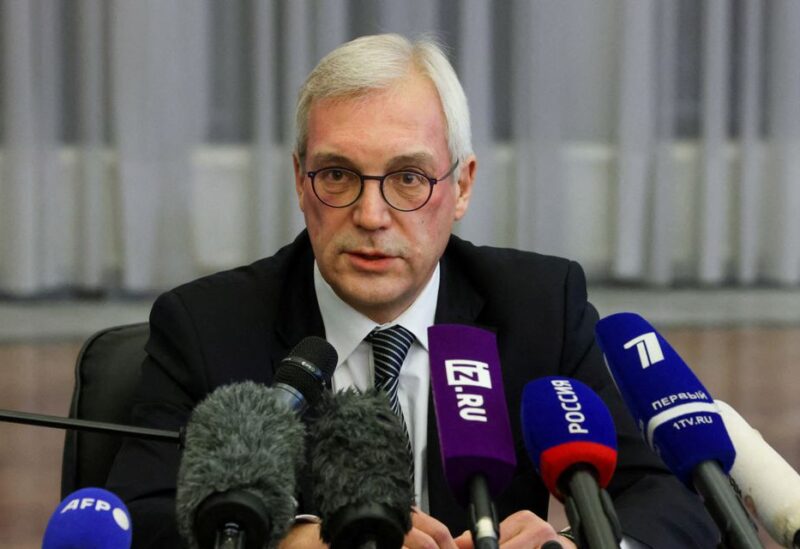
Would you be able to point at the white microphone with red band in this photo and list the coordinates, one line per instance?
(472, 420)
(769, 486)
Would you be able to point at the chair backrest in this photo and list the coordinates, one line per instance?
(106, 374)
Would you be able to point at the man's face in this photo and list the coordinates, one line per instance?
(376, 258)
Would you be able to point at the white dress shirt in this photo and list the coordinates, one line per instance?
(346, 328)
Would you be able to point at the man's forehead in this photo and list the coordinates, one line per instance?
(411, 157)
(382, 128)
(396, 89)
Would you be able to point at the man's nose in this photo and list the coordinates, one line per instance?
(371, 211)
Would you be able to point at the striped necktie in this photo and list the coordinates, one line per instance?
(389, 350)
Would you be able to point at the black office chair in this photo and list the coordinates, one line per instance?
(106, 374)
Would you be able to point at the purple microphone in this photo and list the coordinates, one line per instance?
(472, 420)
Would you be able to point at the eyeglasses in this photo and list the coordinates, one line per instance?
(405, 190)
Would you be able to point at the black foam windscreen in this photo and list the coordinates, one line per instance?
(359, 468)
(243, 441)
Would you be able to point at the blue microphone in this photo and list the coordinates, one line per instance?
(677, 417)
(570, 437)
(89, 518)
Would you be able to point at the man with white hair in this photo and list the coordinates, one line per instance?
(383, 168)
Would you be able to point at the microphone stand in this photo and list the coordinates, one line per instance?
(41, 420)
(590, 510)
(483, 518)
(724, 507)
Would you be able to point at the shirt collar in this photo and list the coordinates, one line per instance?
(346, 328)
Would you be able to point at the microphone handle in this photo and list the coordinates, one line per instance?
(41, 420)
(484, 527)
(724, 507)
(291, 397)
(230, 537)
(365, 526)
(234, 519)
(593, 520)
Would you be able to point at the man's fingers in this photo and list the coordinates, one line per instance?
(464, 541)
(428, 533)
(524, 530)
(303, 535)
(417, 539)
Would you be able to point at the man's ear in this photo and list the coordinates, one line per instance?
(466, 178)
(299, 177)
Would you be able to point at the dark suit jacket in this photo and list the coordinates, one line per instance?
(239, 324)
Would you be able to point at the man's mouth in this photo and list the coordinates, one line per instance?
(370, 260)
(370, 254)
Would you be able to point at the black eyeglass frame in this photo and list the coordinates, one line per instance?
(381, 178)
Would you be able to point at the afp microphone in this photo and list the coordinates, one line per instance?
(677, 418)
(769, 486)
(89, 518)
(472, 420)
(360, 472)
(569, 434)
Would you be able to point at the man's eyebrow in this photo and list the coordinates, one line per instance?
(324, 158)
(416, 159)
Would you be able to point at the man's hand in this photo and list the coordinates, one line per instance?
(525, 529)
(303, 535)
(427, 533)
(522, 530)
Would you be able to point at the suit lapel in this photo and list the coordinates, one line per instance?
(298, 312)
(298, 316)
(458, 302)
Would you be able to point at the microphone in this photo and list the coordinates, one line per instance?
(359, 469)
(677, 418)
(570, 437)
(303, 374)
(244, 447)
(769, 486)
(89, 518)
(237, 476)
(472, 420)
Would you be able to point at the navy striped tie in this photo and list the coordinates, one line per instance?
(389, 350)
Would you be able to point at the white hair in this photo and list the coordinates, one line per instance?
(376, 62)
